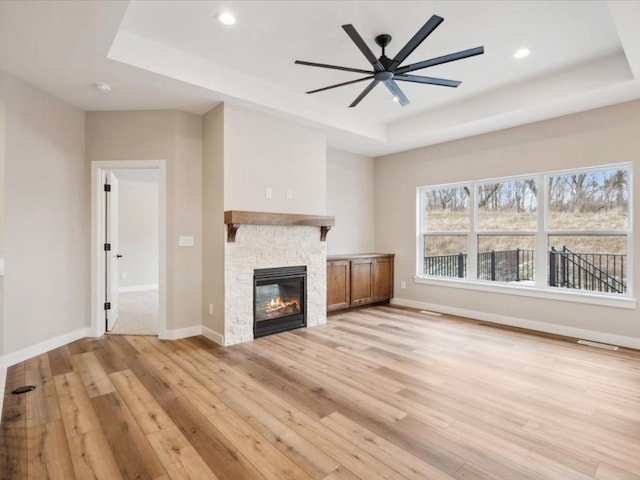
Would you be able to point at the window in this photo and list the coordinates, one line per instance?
(588, 229)
(507, 223)
(447, 224)
(556, 230)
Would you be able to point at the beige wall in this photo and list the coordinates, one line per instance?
(46, 289)
(350, 198)
(176, 137)
(246, 152)
(2, 187)
(213, 228)
(603, 136)
(2, 153)
(138, 224)
(262, 151)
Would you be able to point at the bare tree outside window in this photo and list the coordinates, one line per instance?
(585, 221)
(446, 213)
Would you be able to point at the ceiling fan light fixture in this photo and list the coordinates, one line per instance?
(226, 18)
(522, 53)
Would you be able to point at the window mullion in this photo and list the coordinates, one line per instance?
(472, 240)
(420, 246)
(541, 263)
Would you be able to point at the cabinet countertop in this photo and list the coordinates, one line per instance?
(358, 255)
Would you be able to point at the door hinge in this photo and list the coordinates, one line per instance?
(107, 247)
(107, 187)
(107, 305)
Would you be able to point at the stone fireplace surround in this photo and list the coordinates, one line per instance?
(269, 240)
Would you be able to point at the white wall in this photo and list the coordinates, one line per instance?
(607, 135)
(350, 199)
(138, 224)
(262, 151)
(177, 138)
(46, 247)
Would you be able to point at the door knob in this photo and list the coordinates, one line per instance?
(118, 255)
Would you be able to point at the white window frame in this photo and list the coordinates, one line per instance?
(539, 289)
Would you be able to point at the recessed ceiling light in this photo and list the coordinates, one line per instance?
(395, 98)
(226, 18)
(103, 87)
(521, 53)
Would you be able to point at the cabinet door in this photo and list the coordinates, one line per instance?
(338, 284)
(382, 278)
(361, 281)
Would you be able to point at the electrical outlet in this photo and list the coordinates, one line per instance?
(124, 275)
(403, 284)
(268, 193)
(211, 309)
(289, 194)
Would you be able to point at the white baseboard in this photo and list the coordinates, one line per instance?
(180, 333)
(138, 288)
(192, 332)
(213, 335)
(43, 347)
(602, 337)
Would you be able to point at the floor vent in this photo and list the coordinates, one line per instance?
(23, 389)
(597, 345)
(427, 312)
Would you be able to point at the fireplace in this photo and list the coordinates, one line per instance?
(279, 299)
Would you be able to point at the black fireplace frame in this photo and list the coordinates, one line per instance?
(266, 276)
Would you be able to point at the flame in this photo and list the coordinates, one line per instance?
(277, 304)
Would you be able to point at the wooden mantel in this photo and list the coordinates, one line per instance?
(234, 218)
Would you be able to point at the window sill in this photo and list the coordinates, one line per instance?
(531, 291)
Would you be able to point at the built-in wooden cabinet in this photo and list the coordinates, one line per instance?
(338, 284)
(354, 280)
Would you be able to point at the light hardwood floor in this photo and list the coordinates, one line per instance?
(379, 393)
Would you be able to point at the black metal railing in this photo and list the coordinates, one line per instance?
(601, 272)
(506, 265)
(446, 265)
(598, 272)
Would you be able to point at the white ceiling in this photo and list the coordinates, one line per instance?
(175, 55)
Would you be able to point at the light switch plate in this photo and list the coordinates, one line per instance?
(185, 241)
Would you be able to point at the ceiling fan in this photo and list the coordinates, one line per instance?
(387, 70)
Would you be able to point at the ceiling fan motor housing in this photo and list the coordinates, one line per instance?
(384, 75)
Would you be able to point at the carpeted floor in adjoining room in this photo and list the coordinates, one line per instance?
(138, 313)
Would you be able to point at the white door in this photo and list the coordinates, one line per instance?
(112, 256)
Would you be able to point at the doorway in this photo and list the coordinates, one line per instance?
(129, 247)
(132, 264)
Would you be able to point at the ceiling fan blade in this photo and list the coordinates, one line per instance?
(357, 39)
(334, 67)
(340, 84)
(417, 39)
(443, 82)
(397, 92)
(364, 92)
(439, 60)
